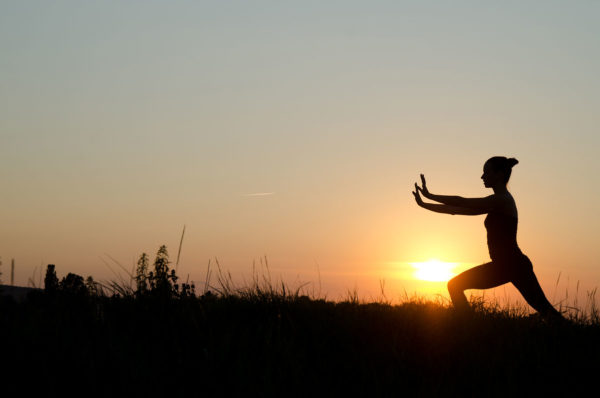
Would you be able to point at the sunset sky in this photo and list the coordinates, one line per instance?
(295, 131)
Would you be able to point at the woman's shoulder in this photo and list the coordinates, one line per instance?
(506, 204)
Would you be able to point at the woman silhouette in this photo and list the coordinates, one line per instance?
(508, 264)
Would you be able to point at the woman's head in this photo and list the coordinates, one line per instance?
(496, 170)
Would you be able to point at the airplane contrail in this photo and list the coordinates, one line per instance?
(259, 194)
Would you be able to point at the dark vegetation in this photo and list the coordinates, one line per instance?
(158, 337)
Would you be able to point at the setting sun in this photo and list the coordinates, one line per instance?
(434, 270)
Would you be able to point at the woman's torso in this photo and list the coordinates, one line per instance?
(501, 226)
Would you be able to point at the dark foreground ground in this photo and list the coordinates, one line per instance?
(277, 346)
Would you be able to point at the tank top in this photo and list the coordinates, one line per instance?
(502, 236)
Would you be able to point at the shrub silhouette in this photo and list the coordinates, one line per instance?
(51, 280)
(92, 286)
(73, 284)
(141, 275)
(161, 281)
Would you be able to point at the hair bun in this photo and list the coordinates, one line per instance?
(512, 161)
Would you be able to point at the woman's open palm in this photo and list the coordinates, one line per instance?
(423, 188)
(417, 195)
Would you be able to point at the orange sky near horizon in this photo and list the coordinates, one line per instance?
(296, 132)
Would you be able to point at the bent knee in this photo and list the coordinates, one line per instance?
(454, 285)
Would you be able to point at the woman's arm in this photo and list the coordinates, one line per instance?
(485, 204)
(447, 209)
(444, 208)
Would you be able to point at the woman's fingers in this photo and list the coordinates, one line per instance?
(417, 197)
(423, 180)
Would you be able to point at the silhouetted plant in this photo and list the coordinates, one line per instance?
(93, 288)
(50, 281)
(141, 275)
(161, 281)
(187, 290)
(73, 284)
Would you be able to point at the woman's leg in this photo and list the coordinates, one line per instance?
(526, 282)
(484, 276)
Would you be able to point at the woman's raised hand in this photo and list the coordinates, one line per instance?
(423, 189)
(417, 195)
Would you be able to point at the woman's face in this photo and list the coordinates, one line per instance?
(490, 177)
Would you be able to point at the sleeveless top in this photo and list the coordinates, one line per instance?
(502, 236)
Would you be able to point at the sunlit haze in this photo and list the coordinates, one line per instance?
(434, 271)
(295, 131)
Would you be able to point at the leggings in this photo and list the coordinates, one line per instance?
(518, 270)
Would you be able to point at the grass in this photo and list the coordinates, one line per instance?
(264, 339)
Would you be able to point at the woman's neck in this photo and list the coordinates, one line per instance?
(500, 189)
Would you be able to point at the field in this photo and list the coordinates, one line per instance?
(265, 341)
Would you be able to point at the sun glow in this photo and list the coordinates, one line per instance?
(434, 270)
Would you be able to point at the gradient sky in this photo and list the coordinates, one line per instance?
(122, 121)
